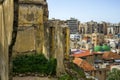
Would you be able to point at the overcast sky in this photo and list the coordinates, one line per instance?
(85, 10)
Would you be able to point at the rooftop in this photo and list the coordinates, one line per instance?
(110, 55)
(84, 53)
(83, 64)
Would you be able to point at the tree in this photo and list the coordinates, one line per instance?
(114, 74)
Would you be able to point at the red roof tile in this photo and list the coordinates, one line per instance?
(82, 54)
(83, 64)
(110, 55)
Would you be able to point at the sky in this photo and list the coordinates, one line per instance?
(85, 10)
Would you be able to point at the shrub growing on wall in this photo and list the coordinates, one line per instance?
(52, 66)
(36, 63)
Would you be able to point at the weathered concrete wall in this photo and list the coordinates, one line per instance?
(33, 33)
(34, 14)
(46, 40)
(6, 29)
(66, 34)
(59, 51)
(25, 39)
(59, 44)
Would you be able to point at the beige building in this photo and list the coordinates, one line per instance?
(97, 38)
(113, 29)
(88, 27)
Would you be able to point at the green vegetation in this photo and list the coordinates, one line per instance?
(36, 63)
(74, 73)
(114, 74)
(80, 71)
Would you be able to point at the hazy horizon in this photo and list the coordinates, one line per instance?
(85, 10)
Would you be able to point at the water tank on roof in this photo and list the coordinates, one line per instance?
(106, 48)
(97, 48)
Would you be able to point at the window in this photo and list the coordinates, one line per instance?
(94, 36)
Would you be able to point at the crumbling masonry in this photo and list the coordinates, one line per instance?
(24, 28)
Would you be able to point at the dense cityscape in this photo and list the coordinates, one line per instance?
(94, 46)
(34, 47)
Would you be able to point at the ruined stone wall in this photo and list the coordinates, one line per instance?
(66, 34)
(6, 31)
(59, 51)
(32, 1)
(59, 44)
(61, 31)
(46, 32)
(33, 14)
(33, 33)
(25, 40)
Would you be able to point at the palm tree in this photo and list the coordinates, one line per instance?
(114, 74)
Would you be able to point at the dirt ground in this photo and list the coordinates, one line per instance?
(33, 78)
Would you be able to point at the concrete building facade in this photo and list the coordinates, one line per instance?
(88, 27)
(97, 38)
(73, 24)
